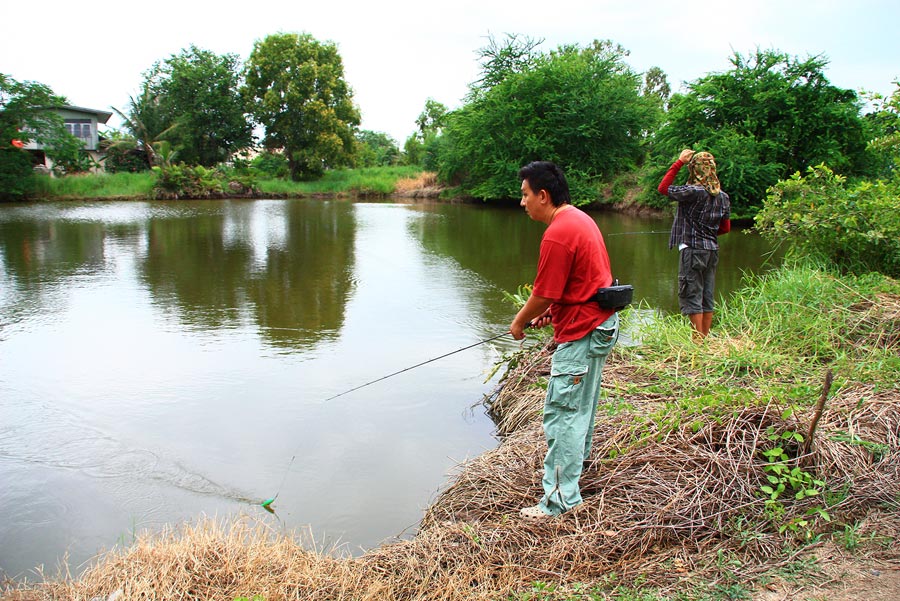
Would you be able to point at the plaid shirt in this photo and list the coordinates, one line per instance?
(697, 217)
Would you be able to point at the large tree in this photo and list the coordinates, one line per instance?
(193, 101)
(23, 118)
(579, 107)
(769, 116)
(296, 90)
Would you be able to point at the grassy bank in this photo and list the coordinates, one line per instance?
(89, 186)
(704, 481)
(379, 181)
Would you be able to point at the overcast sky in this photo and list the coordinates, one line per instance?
(398, 53)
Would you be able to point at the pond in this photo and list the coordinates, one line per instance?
(163, 361)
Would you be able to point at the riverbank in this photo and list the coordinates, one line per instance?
(685, 496)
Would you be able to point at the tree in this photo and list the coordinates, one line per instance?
(883, 132)
(579, 107)
(657, 84)
(432, 119)
(771, 115)
(23, 117)
(501, 59)
(376, 149)
(193, 100)
(295, 89)
(422, 147)
(146, 123)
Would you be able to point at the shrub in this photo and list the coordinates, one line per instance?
(857, 228)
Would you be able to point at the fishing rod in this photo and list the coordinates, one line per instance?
(268, 502)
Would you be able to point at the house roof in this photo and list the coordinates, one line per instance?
(102, 116)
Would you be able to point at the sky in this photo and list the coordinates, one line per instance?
(399, 53)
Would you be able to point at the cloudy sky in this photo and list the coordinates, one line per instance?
(399, 53)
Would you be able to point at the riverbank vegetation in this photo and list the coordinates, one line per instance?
(769, 116)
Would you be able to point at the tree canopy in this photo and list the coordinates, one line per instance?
(579, 107)
(295, 89)
(193, 101)
(23, 117)
(769, 116)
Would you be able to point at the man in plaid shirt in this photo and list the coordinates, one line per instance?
(702, 214)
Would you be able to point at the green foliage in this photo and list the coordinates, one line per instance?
(767, 117)
(123, 154)
(295, 88)
(96, 185)
(146, 123)
(370, 180)
(195, 98)
(856, 228)
(883, 132)
(178, 181)
(579, 107)
(376, 149)
(23, 117)
(270, 164)
(424, 147)
(784, 476)
(69, 156)
(16, 174)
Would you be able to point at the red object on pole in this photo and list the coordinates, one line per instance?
(18, 143)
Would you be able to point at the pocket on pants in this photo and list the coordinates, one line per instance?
(566, 382)
(602, 341)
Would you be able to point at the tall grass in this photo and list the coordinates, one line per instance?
(370, 180)
(773, 341)
(100, 185)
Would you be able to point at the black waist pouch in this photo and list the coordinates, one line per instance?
(614, 297)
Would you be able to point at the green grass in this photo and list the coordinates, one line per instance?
(103, 185)
(771, 342)
(371, 180)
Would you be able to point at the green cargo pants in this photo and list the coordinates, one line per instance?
(569, 411)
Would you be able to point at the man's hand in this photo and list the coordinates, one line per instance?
(686, 155)
(535, 306)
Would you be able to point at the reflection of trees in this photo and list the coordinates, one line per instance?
(39, 257)
(190, 269)
(501, 246)
(301, 293)
(207, 267)
(498, 244)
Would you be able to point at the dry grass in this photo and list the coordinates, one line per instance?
(424, 184)
(666, 502)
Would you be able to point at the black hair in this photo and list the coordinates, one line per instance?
(544, 175)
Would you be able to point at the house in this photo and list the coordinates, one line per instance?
(80, 122)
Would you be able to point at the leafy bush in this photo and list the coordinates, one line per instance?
(857, 228)
(579, 107)
(185, 181)
(767, 117)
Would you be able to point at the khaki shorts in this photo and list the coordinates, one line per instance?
(697, 280)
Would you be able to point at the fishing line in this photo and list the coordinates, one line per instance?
(268, 502)
(634, 233)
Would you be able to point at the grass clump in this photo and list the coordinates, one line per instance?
(96, 185)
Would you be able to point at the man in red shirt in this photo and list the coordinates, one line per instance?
(573, 264)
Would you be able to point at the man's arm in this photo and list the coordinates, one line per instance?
(535, 308)
(669, 177)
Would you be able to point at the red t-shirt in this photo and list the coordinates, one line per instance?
(572, 266)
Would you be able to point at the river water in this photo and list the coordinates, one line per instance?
(164, 361)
